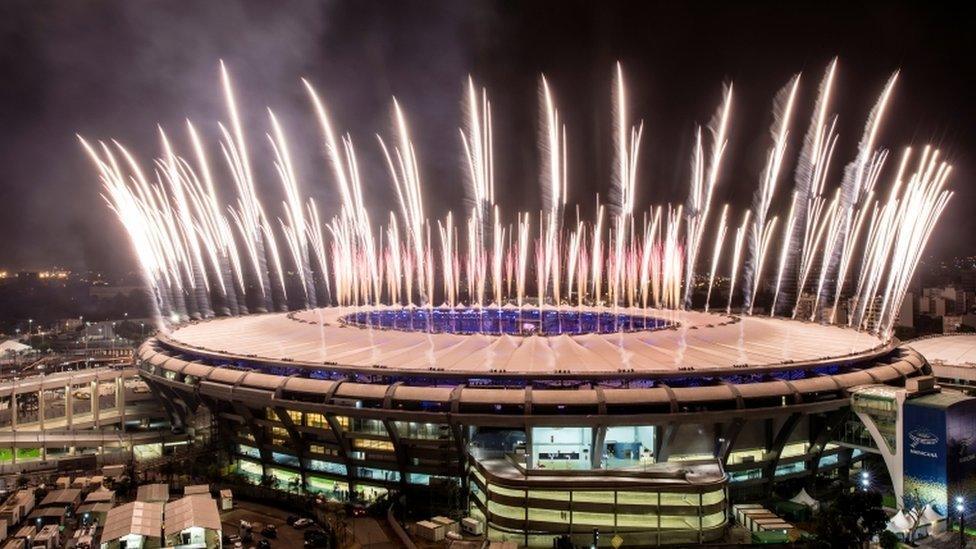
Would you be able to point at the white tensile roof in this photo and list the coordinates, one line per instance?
(702, 341)
(803, 498)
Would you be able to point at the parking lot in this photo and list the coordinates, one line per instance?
(259, 516)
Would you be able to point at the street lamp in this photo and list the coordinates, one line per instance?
(865, 480)
(962, 521)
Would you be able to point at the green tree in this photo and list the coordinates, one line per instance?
(888, 540)
(852, 520)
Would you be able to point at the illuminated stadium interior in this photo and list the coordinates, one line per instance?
(498, 321)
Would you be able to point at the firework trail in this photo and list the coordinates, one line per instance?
(294, 225)
(761, 226)
(405, 174)
(553, 180)
(247, 217)
(859, 178)
(704, 179)
(201, 255)
(740, 235)
(784, 253)
(626, 145)
(810, 179)
(723, 229)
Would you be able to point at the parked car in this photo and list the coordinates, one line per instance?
(290, 521)
(316, 538)
(303, 523)
(270, 531)
(264, 544)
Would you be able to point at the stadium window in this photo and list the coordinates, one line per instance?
(318, 421)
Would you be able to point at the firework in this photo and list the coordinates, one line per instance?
(202, 256)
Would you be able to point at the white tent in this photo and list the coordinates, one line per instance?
(803, 498)
(899, 523)
(14, 347)
(930, 515)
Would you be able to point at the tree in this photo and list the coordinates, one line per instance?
(914, 506)
(888, 540)
(853, 519)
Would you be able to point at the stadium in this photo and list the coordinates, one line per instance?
(647, 423)
(548, 377)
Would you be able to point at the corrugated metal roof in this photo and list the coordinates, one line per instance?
(138, 517)
(198, 510)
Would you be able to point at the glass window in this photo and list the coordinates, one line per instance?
(251, 470)
(379, 474)
(593, 497)
(249, 451)
(327, 467)
(713, 520)
(334, 489)
(748, 474)
(284, 459)
(585, 518)
(637, 520)
(507, 511)
(637, 498)
(678, 498)
(554, 516)
(316, 420)
(791, 468)
(743, 456)
(711, 498)
(494, 488)
(546, 494)
(286, 480)
(795, 449)
(320, 449)
(827, 461)
(279, 436)
(561, 448)
(424, 431)
(367, 444)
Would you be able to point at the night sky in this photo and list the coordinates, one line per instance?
(115, 69)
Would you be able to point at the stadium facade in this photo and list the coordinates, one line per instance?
(649, 432)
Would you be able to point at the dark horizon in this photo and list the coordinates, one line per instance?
(110, 69)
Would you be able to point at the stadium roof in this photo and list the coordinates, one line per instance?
(952, 350)
(702, 341)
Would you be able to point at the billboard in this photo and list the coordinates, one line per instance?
(939, 439)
